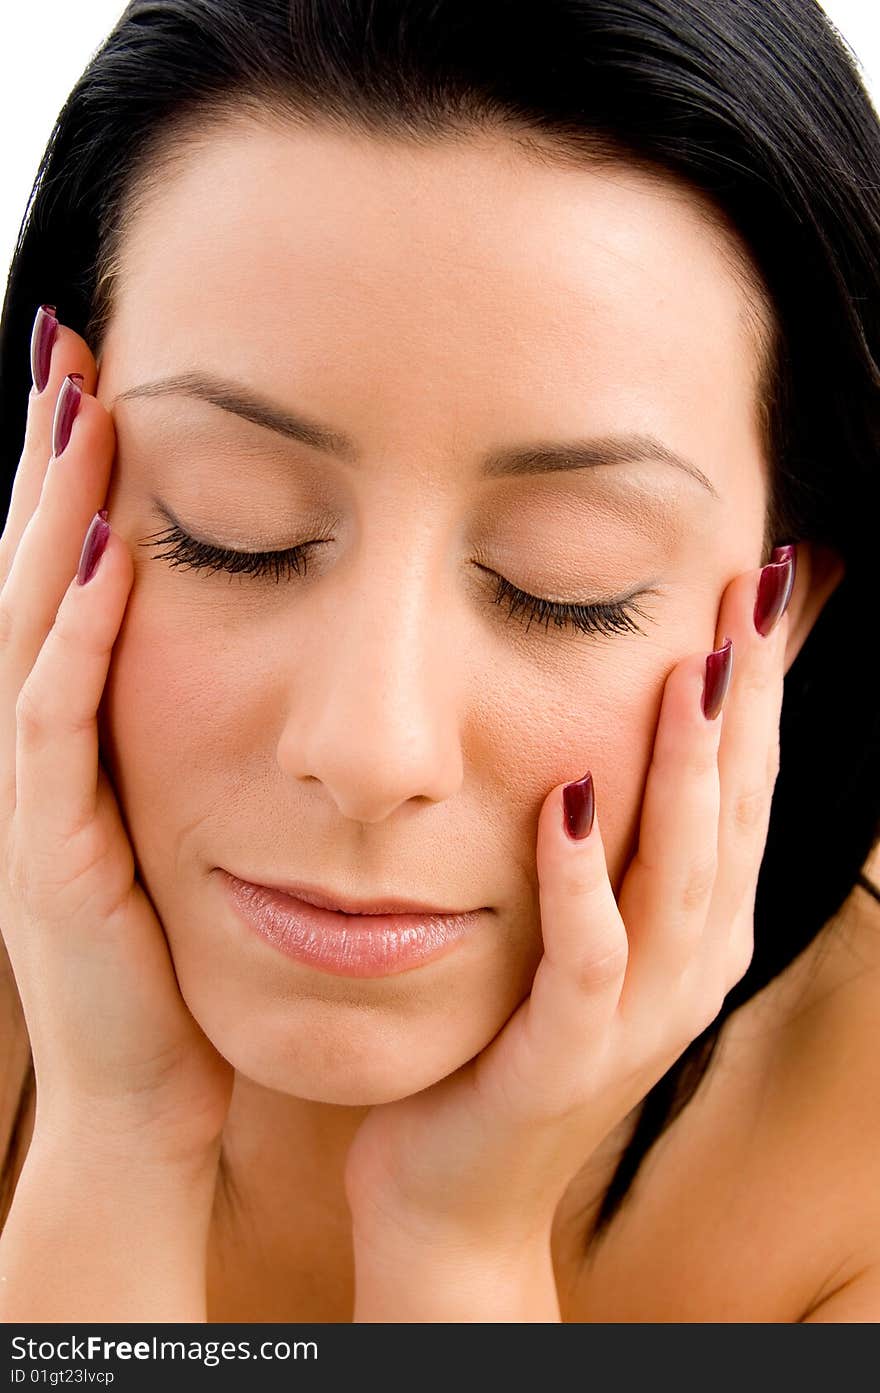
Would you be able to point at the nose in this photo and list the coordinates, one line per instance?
(375, 707)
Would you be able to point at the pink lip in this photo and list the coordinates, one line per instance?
(326, 899)
(346, 945)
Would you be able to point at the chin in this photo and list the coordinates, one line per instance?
(355, 1085)
(343, 1056)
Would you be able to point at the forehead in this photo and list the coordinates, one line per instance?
(467, 282)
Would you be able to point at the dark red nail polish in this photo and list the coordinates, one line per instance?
(775, 585)
(719, 666)
(580, 803)
(42, 338)
(93, 546)
(66, 407)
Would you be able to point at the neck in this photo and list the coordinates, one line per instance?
(281, 1228)
(273, 1141)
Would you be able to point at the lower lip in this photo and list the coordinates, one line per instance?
(347, 945)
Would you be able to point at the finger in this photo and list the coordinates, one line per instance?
(74, 487)
(748, 760)
(667, 889)
(578, 981)
(56, 760)
(56, 350)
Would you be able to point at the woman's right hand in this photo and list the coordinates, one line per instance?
(119, 1060)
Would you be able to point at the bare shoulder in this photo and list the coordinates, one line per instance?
(823, 1094)
(835, 1016)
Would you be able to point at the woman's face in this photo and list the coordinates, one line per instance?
(380, 726)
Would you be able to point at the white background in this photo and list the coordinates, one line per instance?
(45, 44)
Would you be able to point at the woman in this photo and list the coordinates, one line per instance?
(369, 340)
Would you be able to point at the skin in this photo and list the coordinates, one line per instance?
(295, 731)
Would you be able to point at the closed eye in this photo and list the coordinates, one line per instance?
(601, 617)
(191, 554)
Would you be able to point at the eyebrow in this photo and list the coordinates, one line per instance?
(510, 461)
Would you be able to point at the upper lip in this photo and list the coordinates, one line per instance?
(328, 899)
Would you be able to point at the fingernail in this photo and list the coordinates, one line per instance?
(719, 666)
(580, 803)
(775, 585)
(93, 547)
(42, 338)
(66, 407)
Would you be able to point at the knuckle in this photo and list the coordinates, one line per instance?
(699, 883)
(703, 766)
(749, 810)
(580, 884)
(601, 964)
(5, 622)
(73, 634)
(700, 759)
(756, 679)
(30, 716)
(66, 630)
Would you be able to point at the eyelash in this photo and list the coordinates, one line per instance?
(604, 617)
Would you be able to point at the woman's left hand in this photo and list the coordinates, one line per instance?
(480, 1161)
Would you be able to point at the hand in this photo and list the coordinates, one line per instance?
(480, 1160)
(120, 1062)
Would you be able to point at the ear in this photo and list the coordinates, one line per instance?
(819, 572)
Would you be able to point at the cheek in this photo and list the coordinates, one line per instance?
(166, 722)
(624, 743)
(600, 716)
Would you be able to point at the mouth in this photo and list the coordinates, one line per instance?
(344, 904)
(345, 937)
